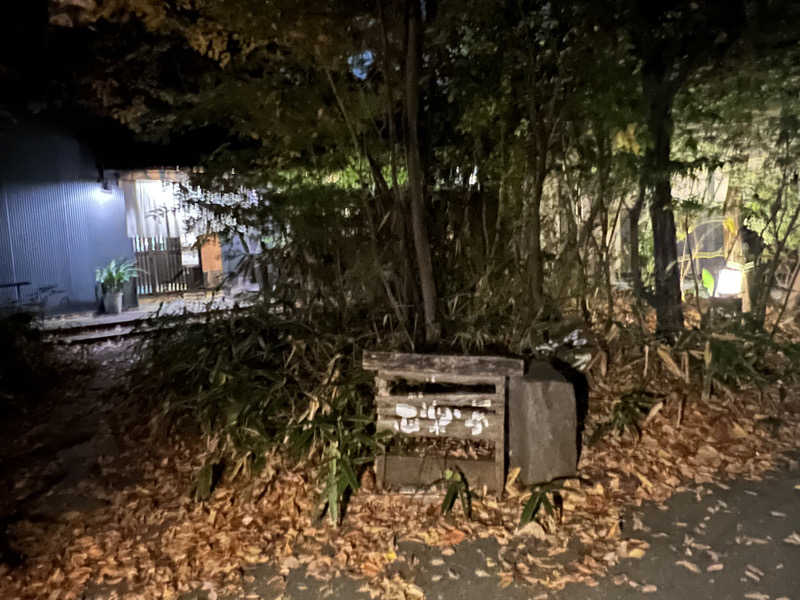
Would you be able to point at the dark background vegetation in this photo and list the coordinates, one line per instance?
(426, 176)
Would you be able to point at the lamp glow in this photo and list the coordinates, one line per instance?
(729, 282)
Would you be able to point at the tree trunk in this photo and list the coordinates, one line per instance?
(604, 195)
(634, 215)
(416, 182)
(665, 249)
(263, 266)
(535, 266)
(766, 283)
(535, 258)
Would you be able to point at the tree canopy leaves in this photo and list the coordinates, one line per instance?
(472, 161)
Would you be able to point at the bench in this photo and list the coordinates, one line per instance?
(17, 285)
(438, 396)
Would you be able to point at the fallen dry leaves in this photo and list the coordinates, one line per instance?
(688, 565)
(794, 539)
(151, 540)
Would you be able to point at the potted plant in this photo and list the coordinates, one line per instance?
(111, 279)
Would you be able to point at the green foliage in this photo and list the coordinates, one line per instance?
(255, 381)
(350, 444)
(206, 479)
(457, 488)
(733, 360)
(535, 128)
(708, 282)
(737, 352)
(115, 274)
(626, 413)
(545, 495)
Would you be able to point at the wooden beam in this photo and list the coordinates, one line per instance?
(433, 364)
(445, 377)
(454, 412)
(484, 401)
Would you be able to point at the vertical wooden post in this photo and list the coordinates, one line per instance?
(381, 391)
(501, 389)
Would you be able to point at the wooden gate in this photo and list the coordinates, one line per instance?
(159, 262)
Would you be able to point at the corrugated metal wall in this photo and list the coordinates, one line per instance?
(57, 224)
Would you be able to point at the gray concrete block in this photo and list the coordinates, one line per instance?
(542, 425)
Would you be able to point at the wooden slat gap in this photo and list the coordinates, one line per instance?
(436, 377)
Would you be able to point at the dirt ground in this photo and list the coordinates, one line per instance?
(50, 443)
(107, 513)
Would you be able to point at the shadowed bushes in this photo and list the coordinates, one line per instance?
(27, 364)
(252, 381)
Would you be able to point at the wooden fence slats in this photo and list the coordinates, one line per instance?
(160, 266)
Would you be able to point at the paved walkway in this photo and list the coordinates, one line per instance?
(147, 308)
(713, 543)
(88, 326)
(720, 544)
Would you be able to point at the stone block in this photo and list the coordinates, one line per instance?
(542, 425)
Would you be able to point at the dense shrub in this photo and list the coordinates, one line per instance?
(253, 381)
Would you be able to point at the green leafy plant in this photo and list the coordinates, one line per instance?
(254, 381)
(115, 274)
(708, 282)
(626, 413)
(206, 479)
(350, 444)
(457, 487)
(736, 351)
(546, 495)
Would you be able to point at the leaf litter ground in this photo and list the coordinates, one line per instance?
(147, 538)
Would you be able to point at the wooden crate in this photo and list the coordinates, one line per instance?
(448, 413)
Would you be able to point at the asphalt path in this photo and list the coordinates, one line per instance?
(739, 540)
(737, 543)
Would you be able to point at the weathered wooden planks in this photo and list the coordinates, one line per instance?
(461, 414)
(158, 260)
(472, 425)
(439, 377)
(418, 472)
(485, 401)
(479, 366)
